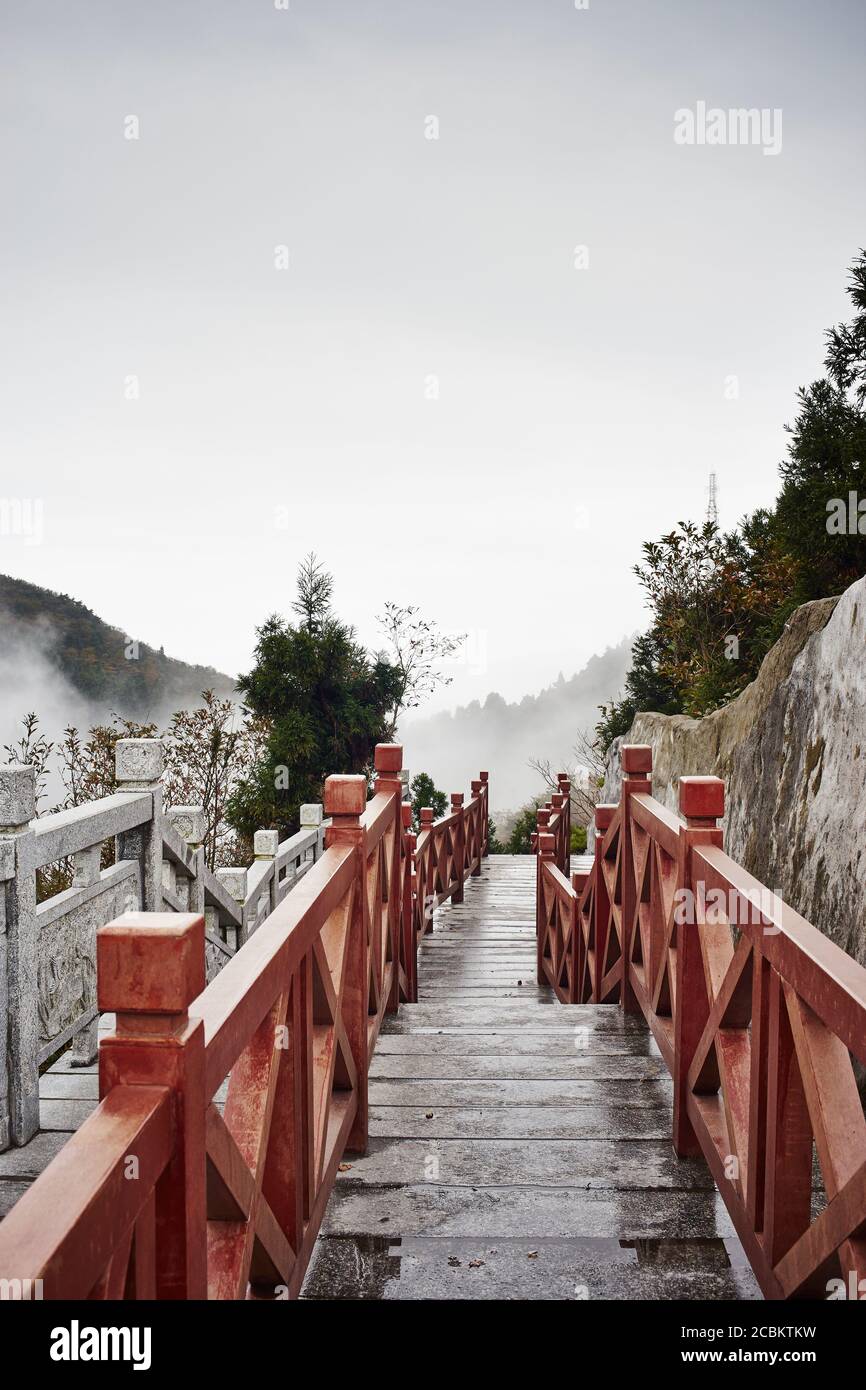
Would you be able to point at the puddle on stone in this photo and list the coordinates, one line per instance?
(697, 1255)
(366, 1266)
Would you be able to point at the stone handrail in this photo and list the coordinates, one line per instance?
(48, 950)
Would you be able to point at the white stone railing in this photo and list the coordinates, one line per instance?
(48, 951)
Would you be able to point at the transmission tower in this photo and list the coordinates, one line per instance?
(713, 502)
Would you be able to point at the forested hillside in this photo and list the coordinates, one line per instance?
(105, 666)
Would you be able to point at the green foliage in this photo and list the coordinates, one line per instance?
(578, 839)
(719, 602)
(494, 844)
(519, 841)
(826, 460)
(326, 702)
(424, 793)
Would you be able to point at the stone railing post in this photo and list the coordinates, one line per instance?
(138, 766)
(312, 815)
(19, 960)
(345, 803)
(637, 763)
(234, 881)
(150, 969)
(458, 841)
(190, 823)
(85, 1045)
(702, 804)
(265, 846)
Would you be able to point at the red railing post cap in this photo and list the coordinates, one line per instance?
(456, 798)
(345, 796)
(484, 776)
(604, 813)
(542, 816)
(546, 843)
(702, 798)
(636, 757)
(150, 963)
(406, 814)
(426, 814)
(388, 757)
(557, 801)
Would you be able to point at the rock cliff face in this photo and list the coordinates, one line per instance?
(792, 751)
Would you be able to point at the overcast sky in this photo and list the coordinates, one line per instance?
(579, 410)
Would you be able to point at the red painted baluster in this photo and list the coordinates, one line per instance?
(788, 1153)
(546, 855)
(388, 762)
(345, 801)
(458, 840)
(410, 947)
(578, 945)
(702, 803)
(604, 814)
(556, 805)
(479, 844)
(565, 792)
(150, 968)
(758, 1072)
(427, 887)
(637, 762)
(485, 810)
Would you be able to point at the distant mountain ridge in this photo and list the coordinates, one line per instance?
(96, 660)
(502, 737)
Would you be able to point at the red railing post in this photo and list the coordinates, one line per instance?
(565, 792)
(637, 762)
(556, 805)
(427, 881)
(388, 762)
(578, 945)
(150, 968)
(410, 943)
(702, 803)
(478, 849)
(604, 813)
(484, 778)
(345, 801)
(546, 855)
(458, 845)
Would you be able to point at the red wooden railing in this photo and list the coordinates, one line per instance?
(757, 1014)
(182, 1186)
(448, 852)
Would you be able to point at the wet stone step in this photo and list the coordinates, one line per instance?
(586, 1164)
(578, 1269)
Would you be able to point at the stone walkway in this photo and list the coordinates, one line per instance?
(519, 1148)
